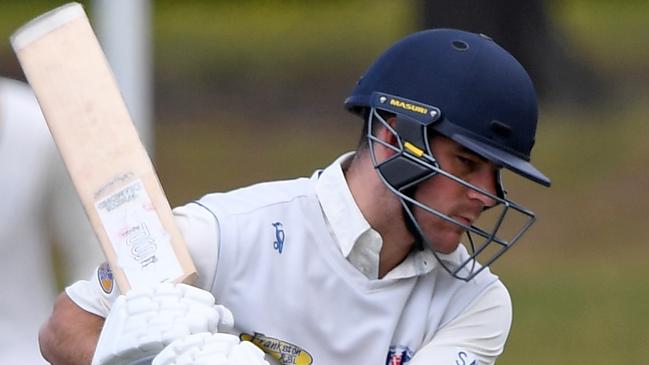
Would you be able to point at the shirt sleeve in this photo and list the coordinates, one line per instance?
(476, 337)
(200, 231)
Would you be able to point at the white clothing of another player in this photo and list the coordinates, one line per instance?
(39, 207)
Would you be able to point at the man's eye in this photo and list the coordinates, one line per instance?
(466, 161)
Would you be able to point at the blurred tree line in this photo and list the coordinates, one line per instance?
(304, 57)
(526, 30)
(302, 60)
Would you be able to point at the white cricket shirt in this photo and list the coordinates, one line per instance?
(297, 264)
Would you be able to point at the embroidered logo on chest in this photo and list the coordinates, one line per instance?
(279, 237)
(399, 355)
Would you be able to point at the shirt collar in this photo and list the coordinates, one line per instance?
(357, 241)
(345, 219)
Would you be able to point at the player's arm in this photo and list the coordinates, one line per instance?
(475, 337)
(70, 334)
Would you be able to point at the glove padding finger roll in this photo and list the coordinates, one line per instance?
(210, 349)
(145, 320)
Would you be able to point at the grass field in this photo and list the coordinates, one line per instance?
(579, 280)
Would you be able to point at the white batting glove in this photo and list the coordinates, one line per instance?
(144, 321)
(210, 349)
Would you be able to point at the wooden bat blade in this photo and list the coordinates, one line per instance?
(113, 174)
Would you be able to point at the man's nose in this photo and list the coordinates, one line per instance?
(485, 180)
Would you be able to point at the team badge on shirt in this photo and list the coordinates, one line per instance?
(282, 351)
(105, 278)
(398, 355)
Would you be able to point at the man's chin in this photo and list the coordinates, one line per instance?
(446, 250)
(446, 246)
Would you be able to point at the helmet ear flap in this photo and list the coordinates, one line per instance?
(403, 169)
(401, 172)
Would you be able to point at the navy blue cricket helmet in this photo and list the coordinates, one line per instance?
(487, 101)
(467, 88)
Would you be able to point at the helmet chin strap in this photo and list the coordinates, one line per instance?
(393, 170)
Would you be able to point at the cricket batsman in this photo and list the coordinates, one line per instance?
(379, 258)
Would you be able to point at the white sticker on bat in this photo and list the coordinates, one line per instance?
(141, 244)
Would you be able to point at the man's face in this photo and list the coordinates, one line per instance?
(451, 198)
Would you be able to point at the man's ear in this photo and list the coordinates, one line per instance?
(387, 136)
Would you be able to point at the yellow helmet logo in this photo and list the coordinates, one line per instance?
(408, 106)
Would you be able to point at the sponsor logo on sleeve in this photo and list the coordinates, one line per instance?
(464, 358)
(105, 278)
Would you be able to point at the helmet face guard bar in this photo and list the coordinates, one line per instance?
(413, 163)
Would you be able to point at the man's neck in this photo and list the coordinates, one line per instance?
(382, 210)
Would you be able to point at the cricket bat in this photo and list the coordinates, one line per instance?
(112, 172)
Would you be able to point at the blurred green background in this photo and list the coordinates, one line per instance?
(253, 90)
